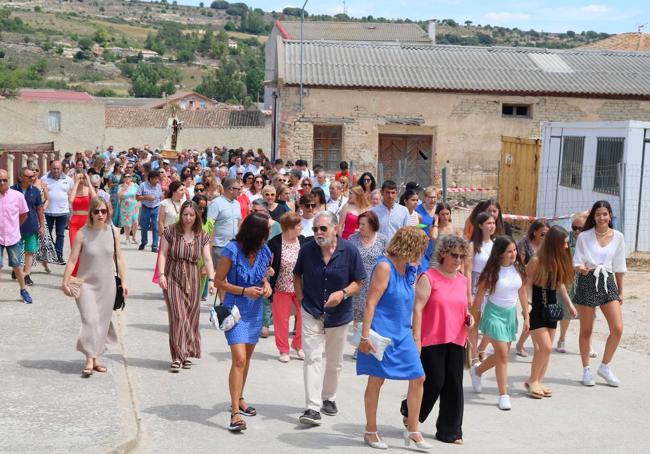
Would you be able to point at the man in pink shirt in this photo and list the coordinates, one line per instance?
(13, 212)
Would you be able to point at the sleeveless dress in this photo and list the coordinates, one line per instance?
(242, 274)
(77, 221)
(97, 295)
(128, 206)
(351, 225)
(393, 319)
(182, 294)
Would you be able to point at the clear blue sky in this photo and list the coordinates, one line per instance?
(547, 15)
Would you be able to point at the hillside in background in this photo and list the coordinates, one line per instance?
(141, 49)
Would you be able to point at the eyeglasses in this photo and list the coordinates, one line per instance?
(322, 228)
(576, 228)
(259, 182)
(309, 205)
(100, 211)
(457, 256)
(3, 180)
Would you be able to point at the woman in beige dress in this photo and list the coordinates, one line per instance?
(93, 249)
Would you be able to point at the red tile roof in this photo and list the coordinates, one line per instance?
(124, 117)
(54, 95)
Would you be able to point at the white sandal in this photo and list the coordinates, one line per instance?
(379, 444)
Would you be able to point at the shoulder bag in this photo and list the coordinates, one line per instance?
(551, 312)
(120, 302)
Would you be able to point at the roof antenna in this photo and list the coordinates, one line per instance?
(640, 27)
(345, 8)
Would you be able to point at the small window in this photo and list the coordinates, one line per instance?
(183, 105)
(609, 154)
(204, 105)
(327, 146)
(54, 121)
(573, 150)
(516, 110)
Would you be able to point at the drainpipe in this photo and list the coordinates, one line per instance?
(302, 35)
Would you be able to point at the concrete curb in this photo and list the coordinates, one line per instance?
(127, 399)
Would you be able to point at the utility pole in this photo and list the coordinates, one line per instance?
(302, 36)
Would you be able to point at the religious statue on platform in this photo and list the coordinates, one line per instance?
(174, 125)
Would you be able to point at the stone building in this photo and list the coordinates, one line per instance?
(401, 110)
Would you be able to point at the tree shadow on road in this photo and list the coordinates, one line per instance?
(72, 367)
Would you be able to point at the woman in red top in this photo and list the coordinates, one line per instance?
(440, 319)
(79, 198)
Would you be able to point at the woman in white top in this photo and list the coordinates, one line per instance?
(170, 209)
(410, 200)
(599, 259)
(502, 281)
(255, 191)
(480, 247)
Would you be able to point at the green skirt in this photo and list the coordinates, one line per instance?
(498, 323)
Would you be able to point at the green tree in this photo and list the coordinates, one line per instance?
(85, 43)
(255, 23)
(101, 36)
(220, 5)
(225, 83)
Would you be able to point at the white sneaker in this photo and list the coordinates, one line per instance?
(606, 372)
(561, 347)
(587, 377)
(476, 380)
(284, 357)
(504, 402)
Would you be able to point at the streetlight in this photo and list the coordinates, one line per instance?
(302, 33)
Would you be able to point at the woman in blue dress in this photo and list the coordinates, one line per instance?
(241, 274)
(389, 312)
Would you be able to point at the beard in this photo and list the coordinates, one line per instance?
(323, 241)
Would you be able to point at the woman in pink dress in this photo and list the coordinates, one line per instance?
(349, 215)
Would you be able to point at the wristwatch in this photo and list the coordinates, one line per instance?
(345, 293)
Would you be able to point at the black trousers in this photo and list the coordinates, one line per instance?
(443, 366)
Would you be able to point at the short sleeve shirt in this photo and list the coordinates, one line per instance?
(57, 194)
(147, 189)
(34, 201)
(226, 214)
(12, 205)
(344, 267)
(390, 221)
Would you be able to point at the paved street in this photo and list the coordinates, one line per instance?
(47, 407)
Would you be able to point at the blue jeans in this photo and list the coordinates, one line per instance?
(149, 216)
(59, 222)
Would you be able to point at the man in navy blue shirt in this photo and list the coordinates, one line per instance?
(35, 222)
(331, 270)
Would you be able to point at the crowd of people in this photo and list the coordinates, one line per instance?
(276, 239)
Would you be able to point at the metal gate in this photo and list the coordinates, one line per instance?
(406, 158)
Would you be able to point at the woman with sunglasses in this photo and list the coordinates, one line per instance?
(367, 183)
(248, 181)
(440, 319)
(349, 215)
(96, 244)
(128, 208)
(80, 196)
(305, 186)
(269, 196)
(527, 248)
(255, 191)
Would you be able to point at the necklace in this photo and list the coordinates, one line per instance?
(605, 233)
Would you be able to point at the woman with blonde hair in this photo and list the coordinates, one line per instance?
(389, 312)
(548, 273)
(95, 246)
(358, 203)
(283, 199)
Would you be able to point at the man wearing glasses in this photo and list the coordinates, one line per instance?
(334, 272)
(307, 205)
(35, 222)
(226, 212)
(13, 213)
(57, 211)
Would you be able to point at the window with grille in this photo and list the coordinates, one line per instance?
(327, 146)
(54, 121)
(573, 150)
(609, 154)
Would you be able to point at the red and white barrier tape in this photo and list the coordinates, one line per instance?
(471, 189)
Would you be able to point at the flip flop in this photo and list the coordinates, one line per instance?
(547, 391)
(536, 393)
(100, 368)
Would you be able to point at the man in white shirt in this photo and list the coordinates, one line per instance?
(236, 168)
(392, 216)
(58, 206)
(337, 200)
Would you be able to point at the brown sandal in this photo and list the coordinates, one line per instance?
(100, 368)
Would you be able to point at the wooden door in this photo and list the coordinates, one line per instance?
(406, 158)
(519, 175)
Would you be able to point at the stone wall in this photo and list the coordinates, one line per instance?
(468, 127)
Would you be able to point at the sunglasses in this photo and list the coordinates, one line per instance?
(366, 180)
(199, 190)
(4, 180)
(269, 194)
(309, 205)
(100, 211)
(457, 256)
(127, 176)
(322, 228)
(576, 228)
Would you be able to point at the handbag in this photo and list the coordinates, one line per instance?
(467, 355)
(120, 302)
(220, 316)
(551, 312)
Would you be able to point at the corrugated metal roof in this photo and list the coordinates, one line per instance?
(354, 31)
(466, 68)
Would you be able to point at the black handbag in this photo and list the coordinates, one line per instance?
(551, 312)
(120, 302)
